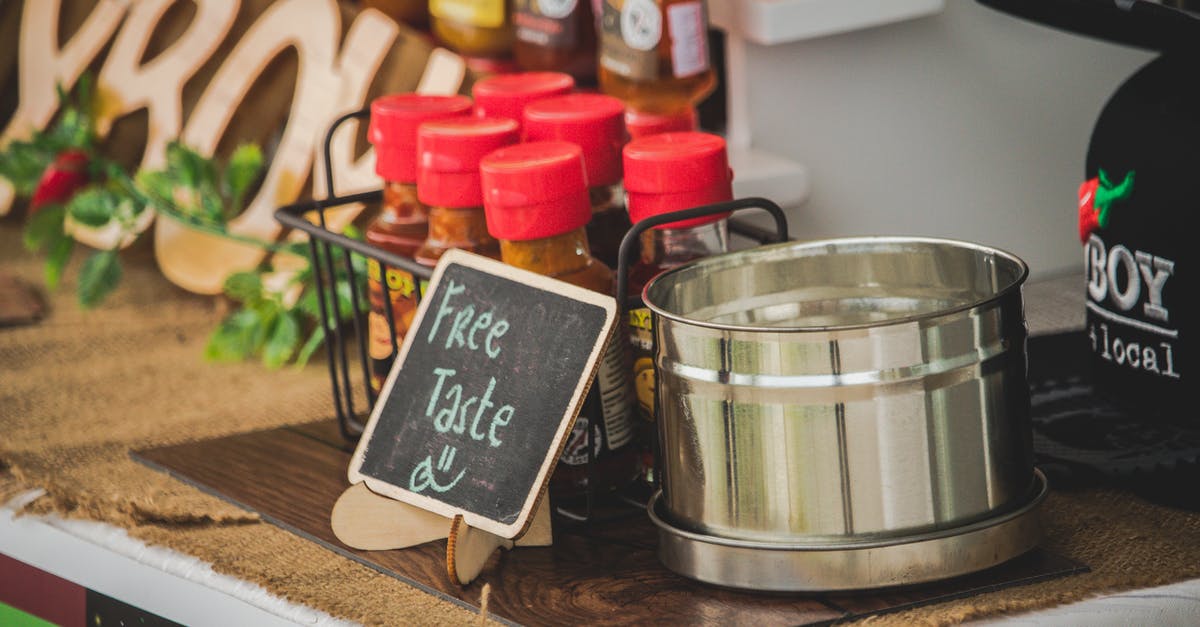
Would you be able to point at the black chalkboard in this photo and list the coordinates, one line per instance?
(475, 410)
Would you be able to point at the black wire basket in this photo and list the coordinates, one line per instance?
(332, 254)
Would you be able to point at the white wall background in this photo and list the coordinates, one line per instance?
(968, 124)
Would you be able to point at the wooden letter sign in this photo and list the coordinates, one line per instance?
(474, 414)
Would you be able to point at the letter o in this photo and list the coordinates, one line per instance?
(1120, 256)
(1118, 349)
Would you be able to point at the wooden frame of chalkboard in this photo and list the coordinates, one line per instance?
(489, 380)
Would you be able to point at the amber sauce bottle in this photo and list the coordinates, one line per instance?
(448, 153)
(640, 123)
(665, 173)
(402, 224)
(415, 13)
(535, 195)
(654, 53)
(556, 35)
(594, 122)
(507, 95)
(473, 28)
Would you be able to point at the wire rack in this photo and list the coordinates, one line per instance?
(332, 254)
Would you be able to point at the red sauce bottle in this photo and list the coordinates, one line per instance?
(506, 95)
(596, 124)
(664, 173)
(641, 123)
(449, 152)
(535, 195)
(402, 223)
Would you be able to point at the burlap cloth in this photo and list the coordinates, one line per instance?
(81, 388)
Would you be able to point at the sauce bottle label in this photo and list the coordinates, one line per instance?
(641, 343)
(613, 428)
(688, 26)
(547, 23)
(482, 13)
(630, 35)
(402, 291)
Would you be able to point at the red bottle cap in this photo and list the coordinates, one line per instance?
(505, 95)
(675, 171)
(535, 190)
(641, 124)
(448, 155)
(393, 129)
(594, 122)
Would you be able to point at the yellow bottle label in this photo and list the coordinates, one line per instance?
(483, 13)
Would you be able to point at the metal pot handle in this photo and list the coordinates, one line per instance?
(629, 244)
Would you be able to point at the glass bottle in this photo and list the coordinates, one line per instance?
(473, 28)
(594, 122)
(535, 195)
(654, 53)
(415, 13)
(556, 35)
(506, 95)
(402, 224)
(640, 123)
(665, 173)
(449, 152)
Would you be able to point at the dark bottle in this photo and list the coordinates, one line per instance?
(448, 183)
(664, 173)
(556, 35)
(595, 123)
(402, 224)
(535, 195)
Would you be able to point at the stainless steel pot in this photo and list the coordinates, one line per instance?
(851, 390)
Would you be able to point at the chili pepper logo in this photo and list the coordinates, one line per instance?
(1096, 197)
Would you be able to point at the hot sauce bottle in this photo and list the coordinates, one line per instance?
(402, 224)
(664, 173)
(449, 152)
(415, 13)
(556, 35)
(654, 53)
(640, 123)
(506, 95)
(595, 123)
(473, 28)
(535, 195)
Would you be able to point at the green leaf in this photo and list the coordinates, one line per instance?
(44, 227)
(22, 163)
(57, 258)
(314, 341)
(241, 172)
(93, 206)
(344, 297)
(98, 277)
(188, 167)
(308, 303)
(233, 340)
(282, 343)
(155, 185)
(245, 287)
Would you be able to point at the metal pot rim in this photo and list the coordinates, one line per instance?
(738, 258)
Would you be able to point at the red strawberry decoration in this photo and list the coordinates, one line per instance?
(61, 179)
(1096, 197)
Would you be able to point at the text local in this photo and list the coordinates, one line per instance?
(466, 330)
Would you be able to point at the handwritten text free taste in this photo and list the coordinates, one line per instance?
(447, 406)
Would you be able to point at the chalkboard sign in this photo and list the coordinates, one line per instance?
(476, 409)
